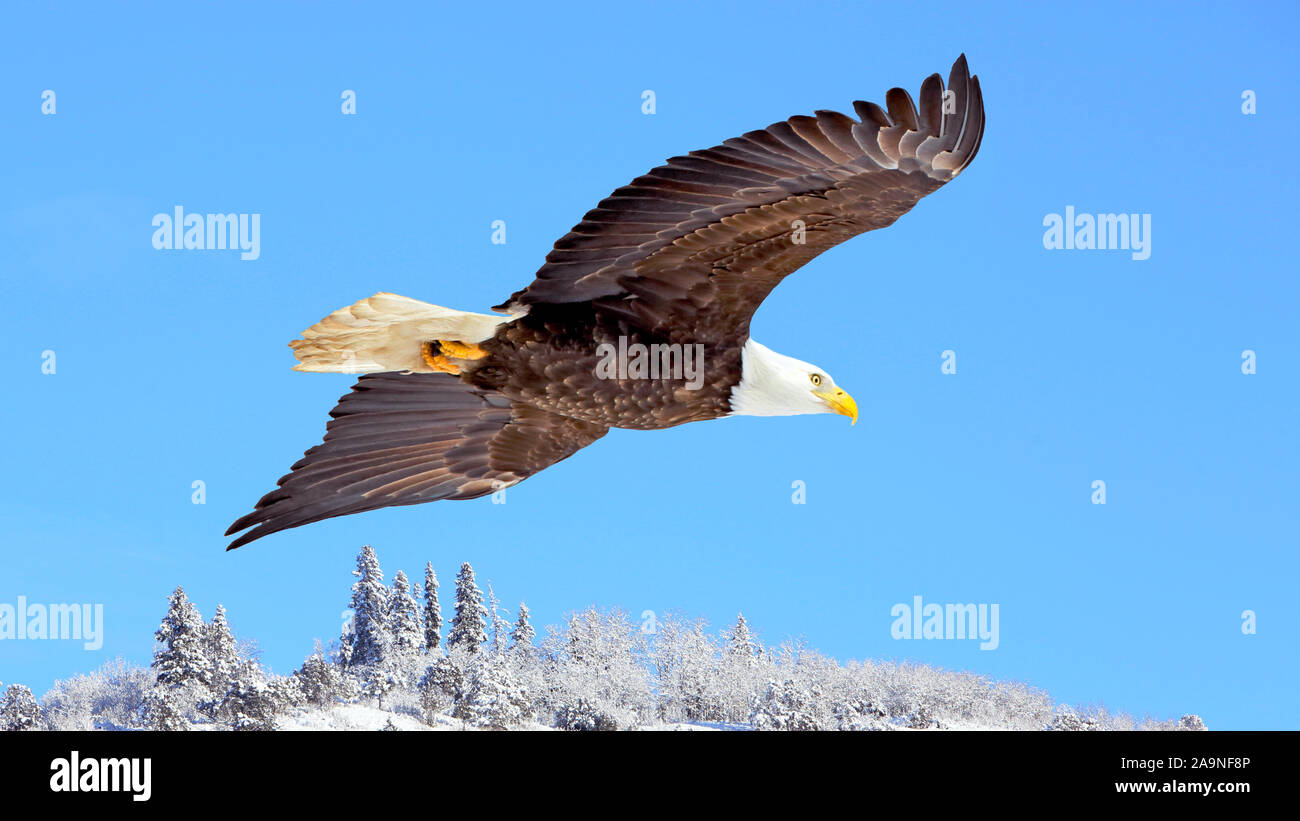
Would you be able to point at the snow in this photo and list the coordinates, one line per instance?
(598, 671)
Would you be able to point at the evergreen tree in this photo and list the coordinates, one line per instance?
(285, 692)
(598, 669)
(369, 637)
(1191, 723)
(417, 595)
(249, 705)
(432, 613)
(785, 705)
(441, 687)
(494, 700)
(741, 642)
(686, 657)
(378, 681)
(499, 630)
(342, 648)
(219, 647)
(181, 660)
(160, 712)
(854, 715)
(469, 625)
(1065, 719)
(19, 710)
(403, 618)
(581, 715)
(318, 680)
(521, 637)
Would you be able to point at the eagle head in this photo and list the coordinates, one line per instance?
(773, 384)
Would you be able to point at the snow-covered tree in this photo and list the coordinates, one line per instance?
(686, 661)
(521, 637)
(341, 648)
(785, 705)
(741, 642)
(19, 710)
(319, 681)
(180, 659)
(403, 619)
(581, 715)
(249, 704)
(159, 711)
(442, 686)
(219, 646)
(286, 693)
(599, 672)
(377, 681)
(857, 715)
(469, 625)
(923, 718)
(494, 699)
(247, 683)
(599, 663)
(369, 637)
(107, 698)
(432, 612)
(741, 673)
(500, 632)
(1066, 719)
(1191, 722)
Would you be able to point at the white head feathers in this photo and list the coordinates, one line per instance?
(773, 384)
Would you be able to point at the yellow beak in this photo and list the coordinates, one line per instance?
(840, 402)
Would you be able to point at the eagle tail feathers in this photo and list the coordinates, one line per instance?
(386, 332)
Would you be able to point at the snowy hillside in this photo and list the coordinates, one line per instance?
(393, 669)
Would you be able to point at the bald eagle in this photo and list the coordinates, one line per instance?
(663, 274)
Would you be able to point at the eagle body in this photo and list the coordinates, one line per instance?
(551, 359)
(668, 270)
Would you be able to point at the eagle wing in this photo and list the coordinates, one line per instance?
(699, 243)
(407, 438)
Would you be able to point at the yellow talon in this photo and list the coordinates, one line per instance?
(426, 353)
(441, 365)
(437, 363)
(438, 355)
(461, 350)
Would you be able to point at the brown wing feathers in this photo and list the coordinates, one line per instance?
(402, 439)
(673, 236)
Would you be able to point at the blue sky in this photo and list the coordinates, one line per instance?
(1073, 366)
